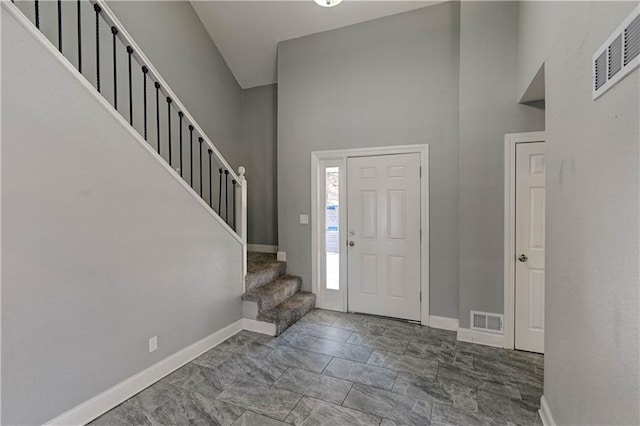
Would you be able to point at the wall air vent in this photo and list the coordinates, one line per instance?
(618, 56)
(485, 321)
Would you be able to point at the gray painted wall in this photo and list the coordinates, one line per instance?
(488, 110)
(258, 147)
(592, 292)
(102, 248)
(392, 81)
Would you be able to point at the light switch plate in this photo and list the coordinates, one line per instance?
(304, 219)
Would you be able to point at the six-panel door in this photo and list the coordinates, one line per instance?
(383, 234)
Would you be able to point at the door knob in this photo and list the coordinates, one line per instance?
(351, 244)
(523, 258)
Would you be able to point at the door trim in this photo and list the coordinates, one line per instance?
(317, 232)
(510, 142)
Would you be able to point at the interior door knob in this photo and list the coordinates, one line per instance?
(523, 258)
(351, 244)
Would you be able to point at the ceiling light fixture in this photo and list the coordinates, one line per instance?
(328, 3)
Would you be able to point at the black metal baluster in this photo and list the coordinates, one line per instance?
(191, 155)
(226, 196)
(200, 140)
(37, 10)
(60, 25)
(79, 38)
(97, 9)
(220, 193)
(114, 32)
(169, 126)
(129, 52)
(210, 151)
(233, 185)
(157, 86)
(145, 70)
(180, 115)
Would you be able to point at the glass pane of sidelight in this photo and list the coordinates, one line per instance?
(332, 227)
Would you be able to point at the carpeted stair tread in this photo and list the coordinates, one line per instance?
(289, 311)
(274, 293)
(262, 268)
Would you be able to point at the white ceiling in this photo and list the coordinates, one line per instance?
(247, 32)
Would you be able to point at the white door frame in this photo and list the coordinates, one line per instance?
(317, 232)
(510, 142)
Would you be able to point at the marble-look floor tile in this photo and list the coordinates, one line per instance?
(379, 342)
(513, 410)
(262, 370)
(424, 349)
(300, 358)
(361, 373)
(260, 398)
(399, 408)
(213, 358)
(125, 414)
(310, 411)
(363, 327)
(445, 415)
(295, 340)
(404, 363)
(400, 331)
(244, 341)
(249, 418)
(342, 350)
(479, 380)
(321, 317)
(170, 405)
(315, 385)
(447, 393)
(322, 331)
(202, 380)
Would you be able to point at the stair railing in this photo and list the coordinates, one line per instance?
(229, 200)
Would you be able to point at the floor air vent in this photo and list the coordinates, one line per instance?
(618, 56)
(485, 321)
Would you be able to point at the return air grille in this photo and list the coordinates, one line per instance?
(618, 56)
(485, 321)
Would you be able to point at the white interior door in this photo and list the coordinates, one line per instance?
(383, 225)
(530, 246)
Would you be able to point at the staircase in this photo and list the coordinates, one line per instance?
(271, 295)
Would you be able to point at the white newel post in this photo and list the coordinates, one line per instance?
(241, 215)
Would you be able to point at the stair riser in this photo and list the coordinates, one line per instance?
(289, 317)
(253, 281)
(274, 299)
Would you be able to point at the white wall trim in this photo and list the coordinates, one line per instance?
(100, 404)
(444, 323)
(316, 234)
(510, 142)
(545, 413)
(480, 337)
(259, 326)
(262, 248)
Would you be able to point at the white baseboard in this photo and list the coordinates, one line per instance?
(480, 337)
(259, 326)
(282, 256)
(444, 323)
(261, 248)
(100, 404)
(545, 413)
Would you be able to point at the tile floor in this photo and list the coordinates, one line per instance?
(344, 369)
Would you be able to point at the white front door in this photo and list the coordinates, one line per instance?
(530, 243)
(383, 227)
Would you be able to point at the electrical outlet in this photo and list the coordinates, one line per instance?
(153, 344)
(304, 219)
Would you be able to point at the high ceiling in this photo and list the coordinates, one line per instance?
(247, 32)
